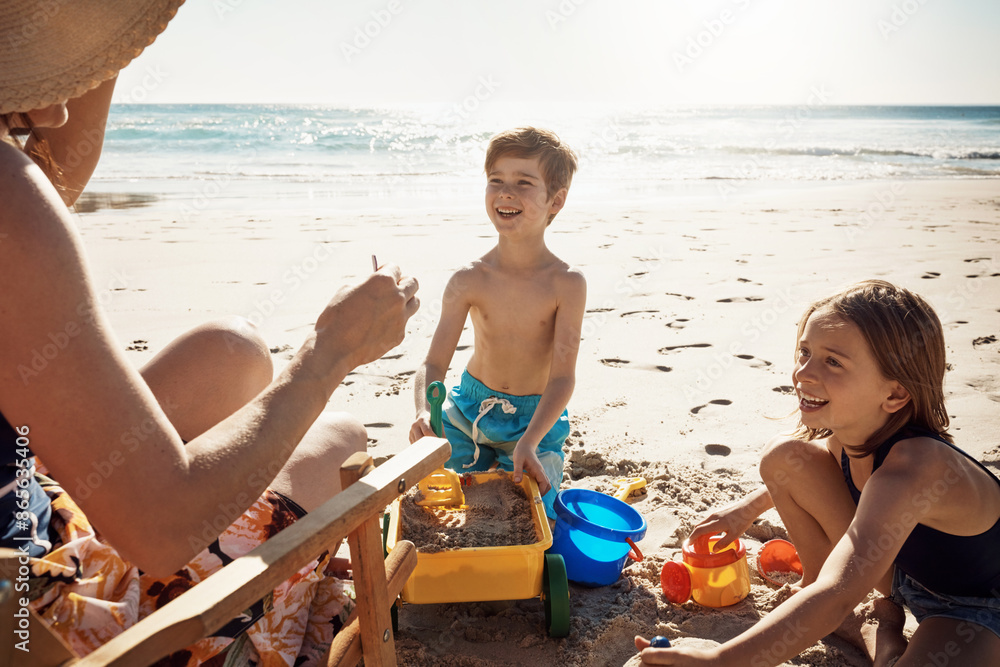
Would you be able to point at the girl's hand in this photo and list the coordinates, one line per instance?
(731, 521)
(421, 427)
(675, 655)
(525, 459)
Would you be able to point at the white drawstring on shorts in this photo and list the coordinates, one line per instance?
(485, 407)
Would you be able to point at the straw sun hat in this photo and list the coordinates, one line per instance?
(54, 50)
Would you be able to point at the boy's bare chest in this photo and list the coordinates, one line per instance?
(515, 306)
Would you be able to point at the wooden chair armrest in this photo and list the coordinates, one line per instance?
(215, 601)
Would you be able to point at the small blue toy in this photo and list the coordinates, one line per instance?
(659, 641)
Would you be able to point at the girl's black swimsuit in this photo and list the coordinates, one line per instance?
(944, 563)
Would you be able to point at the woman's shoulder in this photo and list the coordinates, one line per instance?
(32, 209)
(23, 184)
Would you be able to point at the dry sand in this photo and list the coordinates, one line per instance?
(684, 368)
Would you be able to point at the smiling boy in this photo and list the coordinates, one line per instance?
(527, 309)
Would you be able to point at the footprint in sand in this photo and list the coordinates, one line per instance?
(718, 450)
(931, 274)
(599, 310)
(665, 369)
(638, 312)
(379, 425)
(678, 323)
(740, 299)
(785, 389)
(718, 401)
(615, 362)
(756, 363)
(671, 348)
(984, 340)
(680, 296)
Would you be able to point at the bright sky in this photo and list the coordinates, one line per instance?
(374, 52)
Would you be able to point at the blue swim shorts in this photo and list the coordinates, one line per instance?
(925, 603)
(484, 426)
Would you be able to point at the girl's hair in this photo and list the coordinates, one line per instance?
(907, 341)
(40, 151)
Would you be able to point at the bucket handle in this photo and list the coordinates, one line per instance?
(634, 554)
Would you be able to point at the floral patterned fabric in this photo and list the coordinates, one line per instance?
(89, 594)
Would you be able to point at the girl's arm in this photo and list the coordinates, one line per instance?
(562, 377)
(65, 376)
(454, 311)
(886, 515)
(76, 146)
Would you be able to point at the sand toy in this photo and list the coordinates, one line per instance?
(712, 578)
(481, 574)
(629, 487)
(778, 562)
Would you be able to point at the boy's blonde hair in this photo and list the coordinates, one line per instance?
(907, 341)
(556, 160)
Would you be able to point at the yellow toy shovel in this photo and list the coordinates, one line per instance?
(443, 487)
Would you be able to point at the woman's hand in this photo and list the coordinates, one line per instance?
(363, 322)
(675, 655)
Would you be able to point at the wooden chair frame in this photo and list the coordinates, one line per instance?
(354, 513)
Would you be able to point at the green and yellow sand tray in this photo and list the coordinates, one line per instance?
(480, 574)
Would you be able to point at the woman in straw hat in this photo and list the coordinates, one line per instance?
(258, 453)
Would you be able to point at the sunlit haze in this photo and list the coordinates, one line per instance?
(632, 52)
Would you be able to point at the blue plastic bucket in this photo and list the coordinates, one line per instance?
(594, 533)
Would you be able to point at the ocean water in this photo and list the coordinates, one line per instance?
(240, 153)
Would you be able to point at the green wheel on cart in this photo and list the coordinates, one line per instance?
(394, 609)
(555, 595)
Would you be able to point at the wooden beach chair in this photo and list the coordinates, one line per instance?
(354, 513)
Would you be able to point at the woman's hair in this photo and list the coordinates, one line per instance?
(39, 152)
(906, 339)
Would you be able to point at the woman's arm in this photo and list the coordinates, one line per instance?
(76, 146)
(63, 374)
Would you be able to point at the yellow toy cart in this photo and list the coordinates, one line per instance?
(482, 574)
